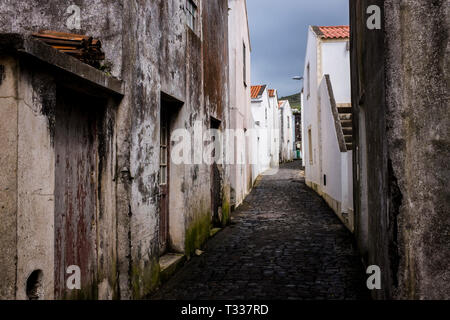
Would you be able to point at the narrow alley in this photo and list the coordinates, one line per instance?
(284, 243)
(224, 150)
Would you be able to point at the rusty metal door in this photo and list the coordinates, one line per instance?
(76, 175)
(164, 169)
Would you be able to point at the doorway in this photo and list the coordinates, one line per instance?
(169, 109)
(216, 183)
(164, 169)
(77, 142)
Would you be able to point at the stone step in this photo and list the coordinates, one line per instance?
(349, 146)
(169, 264)
(345, 109)
(346, 124)
(345, 116)
(347, 131)
(348, 138)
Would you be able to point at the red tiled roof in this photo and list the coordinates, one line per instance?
(257, 91)
(272, 93)
(281, 103)
(332, 32)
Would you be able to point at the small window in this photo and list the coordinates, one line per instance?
(310, 148)
(191, 14)
(289, 122)
(308, 81)
(245, 64)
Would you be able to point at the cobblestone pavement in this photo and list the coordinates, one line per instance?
(284, 243)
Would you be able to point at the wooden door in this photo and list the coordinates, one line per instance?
(76, 176)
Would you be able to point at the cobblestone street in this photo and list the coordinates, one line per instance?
(284, 243)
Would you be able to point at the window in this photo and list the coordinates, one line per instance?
(163, 163)
(289, 122)
(308, 81)
(245, 64)
(310, 146)
(191, 14)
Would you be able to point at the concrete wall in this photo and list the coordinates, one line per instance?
(310, 110)
(400, 77)
(337, 190)
(287, 140)
(34, 247)
(240, 101)
(35, 183)
(156, 52)
(8, 176)
(336, 63)
(274, 123)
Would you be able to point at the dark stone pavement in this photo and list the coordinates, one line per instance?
(284, 243)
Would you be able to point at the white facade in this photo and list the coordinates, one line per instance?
(265, 140)
(293, 144)
(240, 102)
(287, 132)
(327, 157)
(302, 100)
(274, 123)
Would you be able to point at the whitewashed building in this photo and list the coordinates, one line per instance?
(327, 122)
(274, 122)
(265, 147)
(240, 102)
(286, 131)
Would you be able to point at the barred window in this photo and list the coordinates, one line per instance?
(191, 14)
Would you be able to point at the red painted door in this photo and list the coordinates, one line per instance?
(76, 175)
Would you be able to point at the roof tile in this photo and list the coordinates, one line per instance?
(334, 32)
(257, 91)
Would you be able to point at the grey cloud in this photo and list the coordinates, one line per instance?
(278, 31)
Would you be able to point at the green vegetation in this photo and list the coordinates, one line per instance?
(197, 234)
(225, 212)
(294, 101)
(145, 280)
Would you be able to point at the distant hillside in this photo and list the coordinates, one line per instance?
(294, 100)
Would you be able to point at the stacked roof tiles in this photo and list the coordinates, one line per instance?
(82, 47)
(332, 32)
(257, 91)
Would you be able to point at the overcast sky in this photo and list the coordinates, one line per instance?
(278, 31)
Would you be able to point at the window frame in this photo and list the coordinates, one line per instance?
(310, 148)
(191, 15)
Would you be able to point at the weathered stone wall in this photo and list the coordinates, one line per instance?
(216, 84)
(149, 47)
(418, 134)
(240, 101)
(400, 98)
(8, 176)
